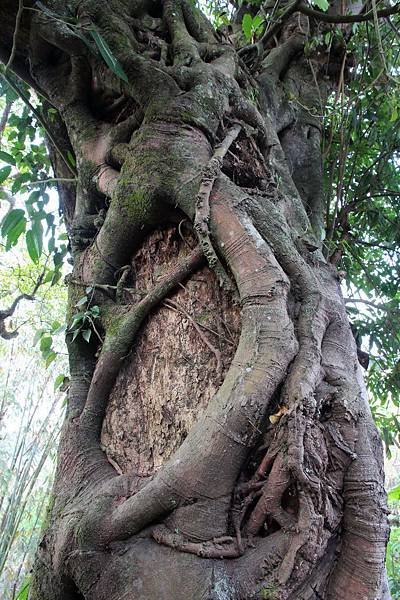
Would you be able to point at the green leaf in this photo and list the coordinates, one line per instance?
(51, 356)
(74, 335)
(37, 336)
(56, 277)
(60, 329)
(247, 26)
(95, 311)
(11, 220)
(49, 276)
(322, 4)
(37, 230)
(14, 233)
(86, 333)
(8, 158)
(394, 493)
(82, 301)
(4, 173)
(24, 591)
(76, 319)
(258, 23)
(107, 55)
(51, 244)
(32, 245)
(71, 159)
(19, 181)
(45, 343)
(59, 380)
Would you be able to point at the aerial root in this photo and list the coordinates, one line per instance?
(222, 547)
(270, 502)
(202, 217)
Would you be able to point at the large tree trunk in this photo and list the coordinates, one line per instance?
(218, 442)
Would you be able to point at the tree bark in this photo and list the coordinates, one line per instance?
(218, 441)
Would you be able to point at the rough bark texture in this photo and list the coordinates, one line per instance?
(218, 442)
(177, 363)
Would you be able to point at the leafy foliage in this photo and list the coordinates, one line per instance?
(252, 26)
(29, 422)
(393, 549)
(28, 166)
(83, 321)
(362, 146)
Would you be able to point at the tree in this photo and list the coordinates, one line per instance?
(218, 441)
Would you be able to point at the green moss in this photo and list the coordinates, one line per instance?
(113, 326)
(136, 205)
(269, 592)
(75, 293)
(49, 511)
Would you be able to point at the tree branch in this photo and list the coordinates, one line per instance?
(384, 307)
(368, 16)
(39, 117)
(8, 312)
(268, 34)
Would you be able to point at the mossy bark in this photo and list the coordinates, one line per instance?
(258, 472)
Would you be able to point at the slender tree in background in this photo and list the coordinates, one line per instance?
(218, 441)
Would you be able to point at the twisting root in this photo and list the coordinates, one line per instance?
(202, 217)
(270, 502)
(223, 547)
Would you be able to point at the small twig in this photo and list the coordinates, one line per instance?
(181, 234)
(53, 180)
(175, 306)
(383, 307)
(4, 118)
(374, 245)
(123, 273)
(272, 31)
(95, 329)
(39, 117)
(268, 35)
(98, 286)
(8, 312)
(16, 30)
(216, 333)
